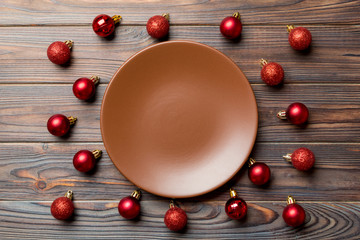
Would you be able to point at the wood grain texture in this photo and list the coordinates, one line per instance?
(181, 12)
(334, 113)
(43, 171)
(101, 220)
(333, 57)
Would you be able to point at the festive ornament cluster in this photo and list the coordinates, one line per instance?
(259, 173)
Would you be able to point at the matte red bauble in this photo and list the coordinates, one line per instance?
(293, 214)
(59, 125)
(63, 208)
(235, 207)
(299, 38)
(297, 113)
(271, 73)
(84, 88)
(259, 173)
(231, 27)
(129, 207)
(175, 218)
(158, 26)
(84, 160)
(59, 52)
(104, 25)
(302, 159)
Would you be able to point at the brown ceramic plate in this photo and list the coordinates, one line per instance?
(179, 119)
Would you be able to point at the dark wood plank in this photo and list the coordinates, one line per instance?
(101, 220)
(333, 118)
(182, 12)
(42, 171)
(333, 58)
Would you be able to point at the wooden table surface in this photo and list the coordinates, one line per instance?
(36, 167)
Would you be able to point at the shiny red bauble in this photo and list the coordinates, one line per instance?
(293, 214)
(271, 73)
(231, 26)
(158, 26)
(175, 218)
(104, 25)
(259, 173)
(299, 38)
(302, 159)
(84, 160)
(84, 88)
(59, 52)
(297, 113)
(129, 207)
(59, 125)
(235, 207)
(63, 208)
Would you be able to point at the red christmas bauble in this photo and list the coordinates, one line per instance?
(84, 160)
(297, 113)
(158, 26)
(59, 125)
(129, 207)
(293, 214)
(63, 208)
(104, 25)
(84, 88)
(231, 26)
(272, 73)
(303, 159)
(59, 52)
(235, 207)
(299, 38)
(259, 173)
(175, 218)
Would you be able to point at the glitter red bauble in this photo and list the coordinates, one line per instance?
(175, 219)
(58, 52)
(158, 26)
(303, 159)
(62, 208)
(236, 208)
(272, 73)
(297, 113)
(58, 125)
(84, 161)
(259, 173)
(299, 38)
(104, 25)
(84, 88)
(294, 215)
(129, 207)
(231, 26)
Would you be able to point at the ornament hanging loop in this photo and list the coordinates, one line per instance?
(95, 79)
(251, 162)
(289, 28)
(233, 193)
(281, 115)
(69, 43)
(69, 194)
(136, 194)
(166, 16)
(236, 15)
(263, 62)
(287, 157)
(97, 153)
(290, 200)
(116, 18)
(72, 120)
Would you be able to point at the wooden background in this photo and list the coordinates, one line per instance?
(36, 167)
